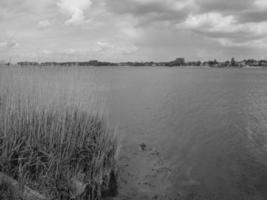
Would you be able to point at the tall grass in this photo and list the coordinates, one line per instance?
(61, 149)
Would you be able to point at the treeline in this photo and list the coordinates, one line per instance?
(174, 63)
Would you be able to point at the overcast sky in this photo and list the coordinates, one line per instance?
(135, 30)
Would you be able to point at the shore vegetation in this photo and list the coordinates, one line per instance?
(57, 150)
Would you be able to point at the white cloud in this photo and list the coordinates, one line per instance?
(74, 8)
(211, 22)
(46, 52)
(127, 29)
(179, 5)
(261, 4)
(115, 49)
(44, 23)
(103, 44)
(227, 31)
(226, 42)
(217, 23)
(130, 32)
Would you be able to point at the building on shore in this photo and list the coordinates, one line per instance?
(177, 62)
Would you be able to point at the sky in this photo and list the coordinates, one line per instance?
(132, 30)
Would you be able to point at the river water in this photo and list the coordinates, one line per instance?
(189, 133)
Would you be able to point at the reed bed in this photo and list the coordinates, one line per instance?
(61, 150)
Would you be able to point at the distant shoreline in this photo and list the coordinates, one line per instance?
(142, 66)
(178, 62)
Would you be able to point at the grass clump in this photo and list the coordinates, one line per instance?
(52, 150)
(63, 152)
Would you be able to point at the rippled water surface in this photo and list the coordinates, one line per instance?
(204, 130)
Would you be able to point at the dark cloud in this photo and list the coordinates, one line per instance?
(136, 8)
(236, 37)
(149, 12)
(224, 5)
(252, 16)
(8, 45)
(14, 7)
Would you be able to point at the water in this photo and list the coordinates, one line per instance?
(205, 131)
(185, 133)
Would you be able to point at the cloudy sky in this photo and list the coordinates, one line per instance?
(135, 30)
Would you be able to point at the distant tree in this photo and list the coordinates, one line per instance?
(233, 62)
(227, 63)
